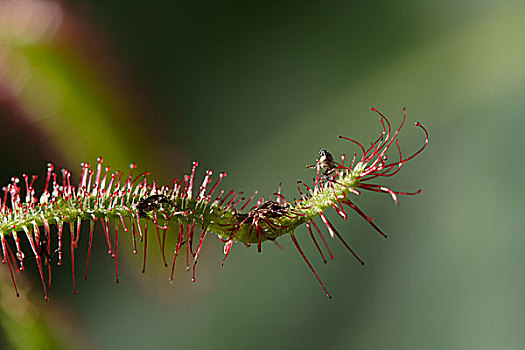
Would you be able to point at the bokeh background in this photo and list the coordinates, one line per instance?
(256, 89)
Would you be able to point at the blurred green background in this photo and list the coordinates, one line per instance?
(256, 89)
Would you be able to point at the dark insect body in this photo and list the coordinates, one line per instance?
(326, 162)
(263, 213)
(273, 209)
(43, 250)
(267, 210)
(151, 203)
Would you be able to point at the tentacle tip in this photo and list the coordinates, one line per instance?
(74, 291)
(193, 279)
(362, 262)
(117, 281)
(85, 279)
(46, 298)
(329, 296)
(18, 295)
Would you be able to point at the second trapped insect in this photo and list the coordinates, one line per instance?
(151, 203)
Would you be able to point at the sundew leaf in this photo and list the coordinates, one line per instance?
(134, 205)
